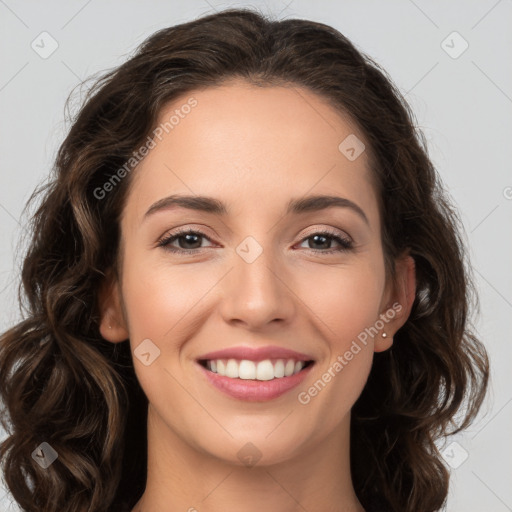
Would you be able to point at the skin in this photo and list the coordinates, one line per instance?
(254, 149)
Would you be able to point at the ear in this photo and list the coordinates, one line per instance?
(112, 323)
(398, 300)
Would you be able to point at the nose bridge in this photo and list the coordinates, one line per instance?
(256, 294)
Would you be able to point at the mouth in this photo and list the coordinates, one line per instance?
(245, 369)
(254, 381)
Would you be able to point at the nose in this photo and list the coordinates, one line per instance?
(258, 293)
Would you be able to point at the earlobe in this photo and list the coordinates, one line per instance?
(112, 330)
(112, 324)
(383, 341)
(403, 295)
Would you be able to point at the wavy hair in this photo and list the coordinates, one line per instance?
(62, 383)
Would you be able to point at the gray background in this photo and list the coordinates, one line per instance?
(463, 104)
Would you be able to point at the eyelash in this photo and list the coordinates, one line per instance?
(345, 243)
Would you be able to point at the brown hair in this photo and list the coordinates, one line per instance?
(63, 384)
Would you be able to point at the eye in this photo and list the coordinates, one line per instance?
(324, 238)
(188, 241)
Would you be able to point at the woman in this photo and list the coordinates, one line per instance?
(309, 347)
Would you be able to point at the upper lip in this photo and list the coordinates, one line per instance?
(256, 354)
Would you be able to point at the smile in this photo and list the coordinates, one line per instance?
(255, 370)
(255, 373)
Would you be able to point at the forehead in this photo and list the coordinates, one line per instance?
(243, 142)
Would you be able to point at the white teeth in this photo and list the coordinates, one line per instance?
(264, 370)
(261, 370)
(246, 369)
(232, 369)
(289, 368)
(279, 369)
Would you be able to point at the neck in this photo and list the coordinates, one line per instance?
(182, 478)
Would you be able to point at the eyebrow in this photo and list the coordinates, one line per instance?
(214, 206)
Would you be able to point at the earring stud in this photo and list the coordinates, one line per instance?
(384, 335)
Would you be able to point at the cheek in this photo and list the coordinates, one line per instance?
(159, 303)
(347, 305)
(157, 299)
(345, 300)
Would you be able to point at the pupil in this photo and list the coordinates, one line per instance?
(316, 237)
(188, 241)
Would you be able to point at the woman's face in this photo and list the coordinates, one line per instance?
(258, 271)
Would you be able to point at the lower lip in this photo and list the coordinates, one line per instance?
(255, 390)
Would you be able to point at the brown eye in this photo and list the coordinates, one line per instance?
(322, 242)
(188, 241)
